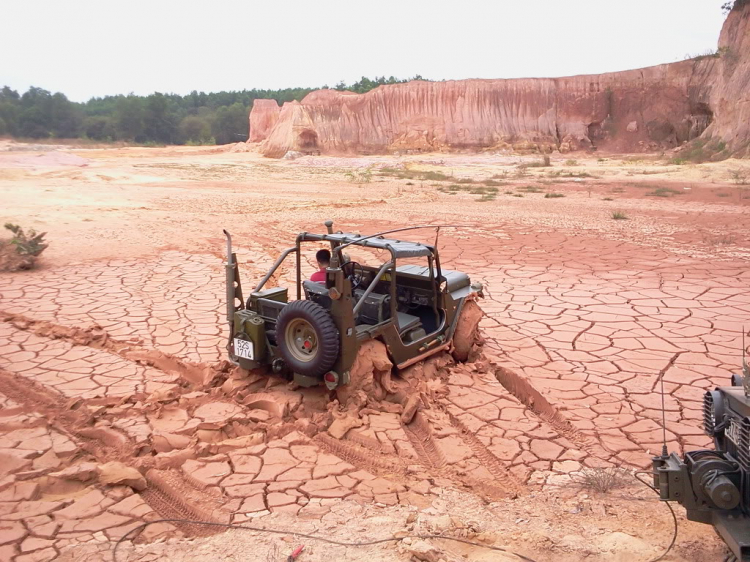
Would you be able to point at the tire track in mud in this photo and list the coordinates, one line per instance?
(496, 467)
(366, 442)
(168, 495)
(359, 456)
(70, 417)
(530, 397)
(420, 436)
(98, 338)
(172, 498)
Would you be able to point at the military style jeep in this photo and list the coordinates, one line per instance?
(413, 309)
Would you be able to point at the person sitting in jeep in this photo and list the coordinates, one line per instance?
(323, 258)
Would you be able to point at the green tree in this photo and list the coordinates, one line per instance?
(129, 118)
(231, 124)
(100, 128)
(195, 129)
(65, 118)
(160, 124)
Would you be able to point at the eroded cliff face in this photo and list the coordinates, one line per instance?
(263, 117)
(637, 110)
(730, 99)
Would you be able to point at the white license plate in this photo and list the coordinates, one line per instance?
(244, 349)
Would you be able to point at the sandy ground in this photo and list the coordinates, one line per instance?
(110, 351)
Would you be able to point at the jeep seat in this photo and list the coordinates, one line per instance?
(317, 292)
(406, 322)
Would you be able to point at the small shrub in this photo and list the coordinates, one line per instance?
(436, 176)
(385, 171)
(602, 480)
(530, 189)
(31, 244)
(571, 162)
(678, 161)
(543, 162)
(407, 174)
(600, 160)
(664, 192)
(722, 195)
(619, 215)
(518, 195)
(409, 183)
(740, 176)
(509, 193)
(707, 54)
(718, 240)
(607, 199)
(568, 174)
(487, 193)
(465, 180)
(360, 176)
(553, 195)
(21, 251)
(492, 183)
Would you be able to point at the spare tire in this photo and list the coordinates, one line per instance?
(307, 337)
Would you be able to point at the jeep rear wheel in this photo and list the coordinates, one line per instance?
(308, 338)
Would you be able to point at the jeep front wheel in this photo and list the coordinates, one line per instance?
(467, 331)
(308, 338)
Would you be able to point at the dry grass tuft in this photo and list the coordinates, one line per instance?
(619, 215)
(602, 480)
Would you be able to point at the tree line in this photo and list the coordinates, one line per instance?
(196, 118)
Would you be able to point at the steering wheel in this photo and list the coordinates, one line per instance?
(355, 273)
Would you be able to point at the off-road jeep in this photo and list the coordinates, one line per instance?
(413, 309)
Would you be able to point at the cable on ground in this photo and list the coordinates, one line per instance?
(312, 537)
(674, 518)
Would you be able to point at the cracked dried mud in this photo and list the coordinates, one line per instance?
(117, 407)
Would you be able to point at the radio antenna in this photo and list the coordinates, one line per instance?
(745, 368)
(664, 450)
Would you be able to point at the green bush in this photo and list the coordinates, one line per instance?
(31, 244)
(664, 192)
(21, 251)
(359, 176)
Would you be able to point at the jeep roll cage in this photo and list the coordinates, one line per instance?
(340, 240)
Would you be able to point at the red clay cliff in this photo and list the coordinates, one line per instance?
(654, 108)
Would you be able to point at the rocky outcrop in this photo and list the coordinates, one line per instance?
(647, 109)
(730, 99)
(263, 117)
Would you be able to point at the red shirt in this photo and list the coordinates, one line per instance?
(319, 276)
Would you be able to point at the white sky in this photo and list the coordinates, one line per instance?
(87, 48)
